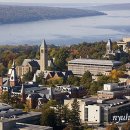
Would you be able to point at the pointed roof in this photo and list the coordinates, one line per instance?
(43, 45)
(51, 93)
(13, 65)
(109, 42)
(22, 89)
(34, 78)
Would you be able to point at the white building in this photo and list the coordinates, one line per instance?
(95, 111)
(88, 112)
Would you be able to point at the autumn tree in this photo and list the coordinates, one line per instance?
(126, 126)
(112, 127)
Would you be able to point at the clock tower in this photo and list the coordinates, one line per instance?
(43, 56)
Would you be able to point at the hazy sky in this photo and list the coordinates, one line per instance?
(67, 1)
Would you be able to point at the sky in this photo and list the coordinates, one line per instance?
(67, 1)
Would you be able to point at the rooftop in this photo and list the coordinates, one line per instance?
(22, 126)
(94, 61)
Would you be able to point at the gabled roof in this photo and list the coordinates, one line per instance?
(34, 63)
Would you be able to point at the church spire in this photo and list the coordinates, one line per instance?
(13, 65)
(13, 76)
(109, 46)
(23, 95)
(51, 93)
(34, 78)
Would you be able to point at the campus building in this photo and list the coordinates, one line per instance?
(15, 119)
(98, 111)
(32, 65)
(113, 90)
(80, 66)
(124, 44)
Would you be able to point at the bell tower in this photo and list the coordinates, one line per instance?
(43, 56)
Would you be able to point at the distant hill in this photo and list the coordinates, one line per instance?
(18, 14)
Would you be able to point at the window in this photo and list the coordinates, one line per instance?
(42, 51)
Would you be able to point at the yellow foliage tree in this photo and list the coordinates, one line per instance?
(116, 74)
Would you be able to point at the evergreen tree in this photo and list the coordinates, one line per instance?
(75, 115)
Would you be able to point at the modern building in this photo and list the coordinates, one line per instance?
(80, 66)
(9, 117)
(96, 112)
(113, 90)
(15, 119)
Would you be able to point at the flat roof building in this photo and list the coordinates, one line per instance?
(99, 111)
(80, 66)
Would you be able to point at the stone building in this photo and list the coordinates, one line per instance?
(32, 65)
(124, 44)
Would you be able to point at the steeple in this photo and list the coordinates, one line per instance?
(22, 89)
(43, 56)
(34, 78)
(109, 46)
(23, 95)
(51, 93)
(13, 76)
(13, 65)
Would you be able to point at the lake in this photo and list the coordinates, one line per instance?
(115, 25)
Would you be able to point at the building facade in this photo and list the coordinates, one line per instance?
(80, 66)
(124, 44)
(96, 112)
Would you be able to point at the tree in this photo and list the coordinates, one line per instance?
(28, 76)
(115, 74)
(3, 70)
(60, 59)
(86, 79)
(48, 117)
(73, 80)
(126, 126)
(75, 115)
(94, 87)
(112, 127)
(40, 78)
(5, 97)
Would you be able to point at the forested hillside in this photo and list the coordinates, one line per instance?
(17, 14)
